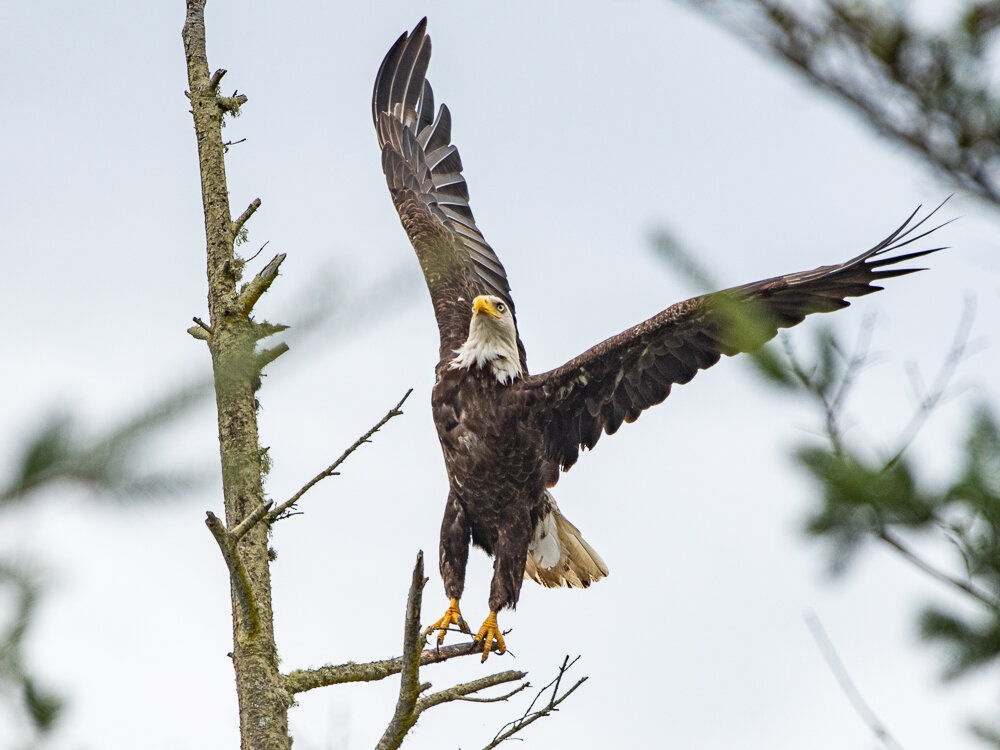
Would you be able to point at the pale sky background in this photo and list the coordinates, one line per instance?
(582, 127)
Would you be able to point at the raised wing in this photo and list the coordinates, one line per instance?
(619, 378)
(424, 174)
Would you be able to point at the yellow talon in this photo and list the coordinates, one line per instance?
(489, 633)
(453, 616)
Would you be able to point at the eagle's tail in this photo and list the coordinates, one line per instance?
(559, 556)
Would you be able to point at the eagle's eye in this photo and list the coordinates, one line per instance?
(501, 307)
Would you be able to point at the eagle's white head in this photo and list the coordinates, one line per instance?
(492, 340)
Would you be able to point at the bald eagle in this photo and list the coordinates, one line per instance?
(506, 433)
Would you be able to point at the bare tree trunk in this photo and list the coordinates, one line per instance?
(231, 340)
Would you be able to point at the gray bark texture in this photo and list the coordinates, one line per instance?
(263, 702)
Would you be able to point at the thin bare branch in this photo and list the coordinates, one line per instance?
(266, 243)
(247, 523)
(896, 543)
(831, 397)
(241, 581)
(465, 690)
(245, 216)
(500, 698)
(266, 357)
(531, 715)
(810, 385)
(213, 82)
(929, 400)
(265, 329)
(861, 707)
(252, 291)
(331, 470)
(202, 331)
(858, 359)
(302, 680)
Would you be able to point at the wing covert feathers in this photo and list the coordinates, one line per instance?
(616, 380)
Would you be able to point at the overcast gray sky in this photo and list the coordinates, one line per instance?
(582, 127)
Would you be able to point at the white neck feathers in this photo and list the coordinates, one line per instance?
(490, 344)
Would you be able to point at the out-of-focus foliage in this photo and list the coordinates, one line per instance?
(121, 465)
(859, 500)
(112, 465)
(40, 704)
(972, 507)
(885, 501)
(109, 463)
(931, 90)
(863, 496)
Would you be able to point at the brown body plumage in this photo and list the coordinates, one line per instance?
(506, 434)
(497, 475)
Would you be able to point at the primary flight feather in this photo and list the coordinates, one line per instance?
(505, 433)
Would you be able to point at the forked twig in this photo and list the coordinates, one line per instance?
(930, 399)
(250, 617)
(531, 715)
(832, 404)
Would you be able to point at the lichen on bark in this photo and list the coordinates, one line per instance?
(263, 700)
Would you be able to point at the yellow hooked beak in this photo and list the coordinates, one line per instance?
(483, 305)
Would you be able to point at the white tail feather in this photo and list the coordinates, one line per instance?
(559, 555)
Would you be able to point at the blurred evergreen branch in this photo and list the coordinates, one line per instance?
(985, 733)
(109, 464)
(929, 90)
(932, 91)
(41, 705)
(866, 495)
(114, 464)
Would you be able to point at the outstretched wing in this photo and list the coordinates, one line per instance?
(619, 378)
(424, 173)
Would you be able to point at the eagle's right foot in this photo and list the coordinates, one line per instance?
(489, 634)
(453, 616)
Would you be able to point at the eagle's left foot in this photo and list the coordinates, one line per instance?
(489, 633)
